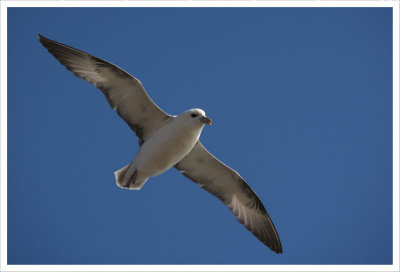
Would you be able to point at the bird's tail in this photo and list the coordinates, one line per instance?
(128, 178)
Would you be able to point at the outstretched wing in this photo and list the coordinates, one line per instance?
(223, 182)
(124, 92)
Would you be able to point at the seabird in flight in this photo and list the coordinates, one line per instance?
(167, 141)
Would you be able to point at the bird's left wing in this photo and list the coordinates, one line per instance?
(124, 92)
(223, 182)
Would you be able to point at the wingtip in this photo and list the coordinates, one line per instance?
(278, 249)
(41, 39)
(47, 43)
(275, 245)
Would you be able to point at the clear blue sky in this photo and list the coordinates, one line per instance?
(301, 103)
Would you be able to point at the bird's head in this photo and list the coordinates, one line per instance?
(196, 115)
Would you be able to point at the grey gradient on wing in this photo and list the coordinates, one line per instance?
(124, 92)
(225, 183)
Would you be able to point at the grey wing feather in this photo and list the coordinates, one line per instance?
(218, 179)
(124, 92)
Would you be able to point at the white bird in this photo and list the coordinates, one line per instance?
(167, 141)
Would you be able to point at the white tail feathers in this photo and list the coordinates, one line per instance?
(120, 174)
(123, 175)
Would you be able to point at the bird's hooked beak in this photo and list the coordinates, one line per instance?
(206, 120)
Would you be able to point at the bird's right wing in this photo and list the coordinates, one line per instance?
(124, 92)
(223, 182)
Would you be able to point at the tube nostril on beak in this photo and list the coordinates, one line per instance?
(206, 120)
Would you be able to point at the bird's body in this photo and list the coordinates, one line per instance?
(165, 147)
(167, 141)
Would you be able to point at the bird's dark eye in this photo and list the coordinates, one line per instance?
(194, 115)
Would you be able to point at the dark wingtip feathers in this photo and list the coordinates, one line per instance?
(47, 43)
(42, 39)
(278, 249)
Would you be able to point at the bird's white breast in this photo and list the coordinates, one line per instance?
(166, 147)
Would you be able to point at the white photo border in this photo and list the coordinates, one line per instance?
(5, 4)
